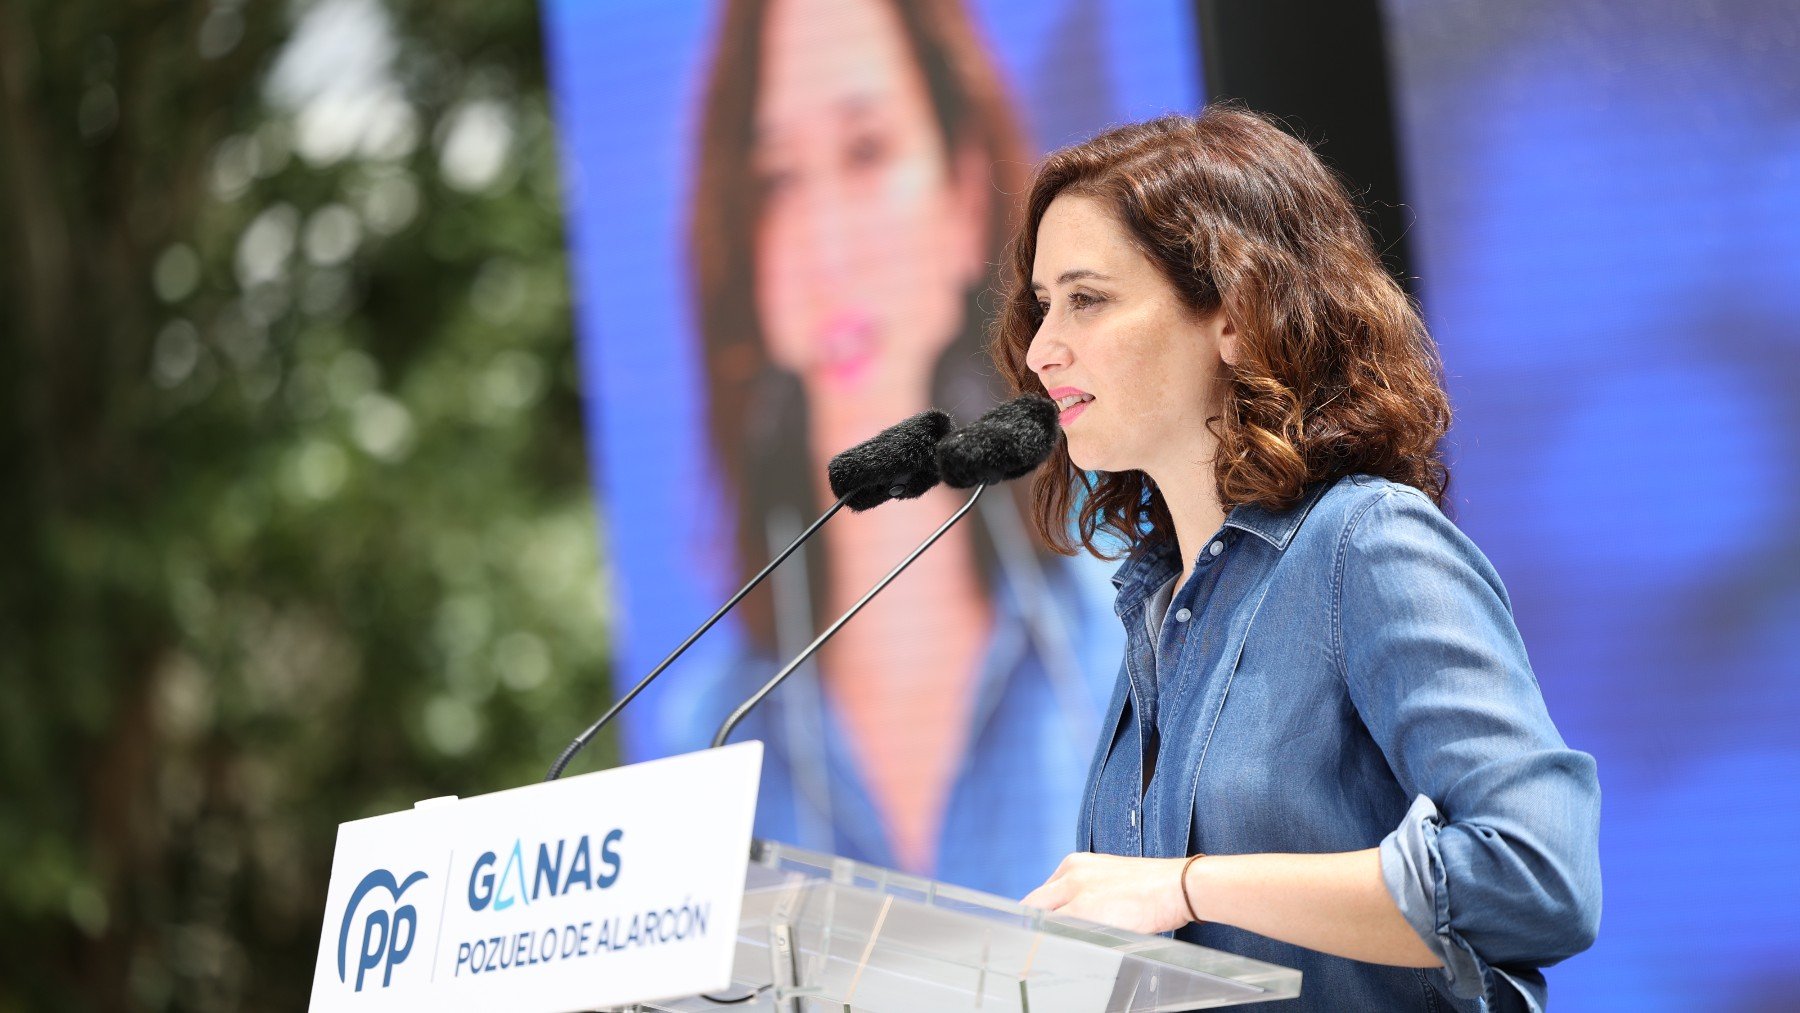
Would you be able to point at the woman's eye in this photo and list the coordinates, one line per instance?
(865, 150)
(1043, 308)
(776, 181)
(1082, 300)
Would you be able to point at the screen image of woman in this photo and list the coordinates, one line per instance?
(859, 163)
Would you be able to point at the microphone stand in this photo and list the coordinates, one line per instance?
(584, 738)
(769, 687)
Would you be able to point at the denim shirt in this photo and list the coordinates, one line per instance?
(1350, 677)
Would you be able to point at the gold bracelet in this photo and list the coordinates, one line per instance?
(1189, 901)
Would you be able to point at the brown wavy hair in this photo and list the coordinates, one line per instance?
(1336, 374)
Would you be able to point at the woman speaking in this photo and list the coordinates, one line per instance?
(1325, 748)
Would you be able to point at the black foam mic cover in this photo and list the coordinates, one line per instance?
(900, 462)
(1006, 442)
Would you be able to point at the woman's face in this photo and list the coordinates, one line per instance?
(869, 236)
(1133, 369)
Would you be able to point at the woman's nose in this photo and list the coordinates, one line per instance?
(827, 227)
(1046, 353)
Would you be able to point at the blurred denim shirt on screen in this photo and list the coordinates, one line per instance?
(1343, 675)
(1044, 677)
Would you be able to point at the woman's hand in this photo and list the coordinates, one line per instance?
(1139, 894)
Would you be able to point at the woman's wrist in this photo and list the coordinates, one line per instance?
(1189, 887)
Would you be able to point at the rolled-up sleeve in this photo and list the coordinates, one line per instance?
(1496, 864)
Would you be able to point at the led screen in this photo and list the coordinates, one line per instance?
(785, 217)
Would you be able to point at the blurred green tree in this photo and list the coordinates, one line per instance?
(297, 526)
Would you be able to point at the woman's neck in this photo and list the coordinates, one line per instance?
(1192, 496)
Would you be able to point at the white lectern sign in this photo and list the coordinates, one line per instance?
(608, 888)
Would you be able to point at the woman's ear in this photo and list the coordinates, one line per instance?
(1228, 339)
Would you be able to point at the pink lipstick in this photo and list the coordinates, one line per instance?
(1071, 401)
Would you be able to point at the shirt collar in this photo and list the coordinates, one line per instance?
(1151, 564)
(1146, 568)
(1276, 527)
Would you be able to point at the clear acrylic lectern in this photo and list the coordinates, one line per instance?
(823, 933)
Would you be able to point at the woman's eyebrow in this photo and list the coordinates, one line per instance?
(1074, 274)
(859, 105)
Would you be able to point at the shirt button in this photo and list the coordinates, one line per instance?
(1216, 548)
(1183, 615)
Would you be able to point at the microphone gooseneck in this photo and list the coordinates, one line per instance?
(580, 742)
(1008, 441)
(1005, 443)
(812, 648)
(900, 462)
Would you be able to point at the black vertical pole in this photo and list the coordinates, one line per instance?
(1321, 67)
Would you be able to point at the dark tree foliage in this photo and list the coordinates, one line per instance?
(296, 525)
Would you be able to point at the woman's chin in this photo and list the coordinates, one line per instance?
(1084, 457)
(852, 376)
(1089, 455)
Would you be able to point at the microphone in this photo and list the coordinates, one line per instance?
(1005, 443)
(1008, 441)
(900, 462)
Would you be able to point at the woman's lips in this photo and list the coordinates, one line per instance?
(1071, 400)
(846, 348)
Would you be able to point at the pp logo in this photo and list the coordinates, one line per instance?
(387, 936)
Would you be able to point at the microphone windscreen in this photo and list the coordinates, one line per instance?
(1008, 441)
(900, 462)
